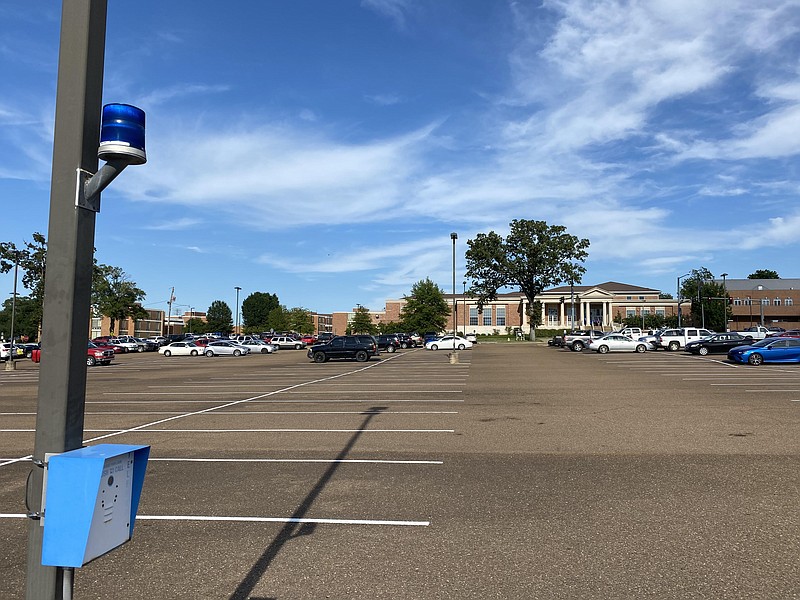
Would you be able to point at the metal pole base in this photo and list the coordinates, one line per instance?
(453, 358)
(11, 365)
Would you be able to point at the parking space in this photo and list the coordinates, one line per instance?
(521, 472)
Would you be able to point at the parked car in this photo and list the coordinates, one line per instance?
(792, 333)
(578, 340)
(284, 341)
(308, 339)
(148, 345)
(719, 343)
(472, 337)
(6, 351)
(324, 337)
(388, 342)
(449, 342)
(614, 342)
(181, 349)
(116, 348)
(94, 355)
(129, 346)
(651, 339)
(769, 350)
(406, 341)
(225, 348)
(675, 339)
(358, 347)
(258, 347)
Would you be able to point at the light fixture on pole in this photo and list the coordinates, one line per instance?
(191, 316)
(454, 237)
(724, 301)
(464, 298)
(238, 289)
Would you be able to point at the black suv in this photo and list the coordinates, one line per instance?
(359, 347)
(388, 342)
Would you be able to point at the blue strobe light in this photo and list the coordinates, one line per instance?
(122, 134)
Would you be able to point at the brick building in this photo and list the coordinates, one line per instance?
(768, 302)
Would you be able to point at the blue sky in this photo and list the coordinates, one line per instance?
(323, 150)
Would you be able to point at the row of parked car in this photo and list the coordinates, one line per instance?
(779, 346)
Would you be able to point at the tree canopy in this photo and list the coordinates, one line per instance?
(31, 262)
(299, 319)
(256, 310)
(219, 317)
(425, 308)
(115, 296)
(709, 306)
(362, 321)
(532, 257)
(764, 274)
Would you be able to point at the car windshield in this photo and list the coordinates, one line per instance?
(764, 342)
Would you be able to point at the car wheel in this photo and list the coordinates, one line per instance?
(641, 348)
(362, 356)
(90, 361)
(193, 353)
(434, 347)
(298, 346)
(167, 353)
(390, 348)
(319, 357)
(755, 359)
(209, 353)
(702, 350)
(461, 347)
(404, 345)
(603, 349)
(140, 349)
(673, 346)
(237, 352)
(577, 346)
(264, 351)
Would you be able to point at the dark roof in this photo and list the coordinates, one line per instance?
(608, 286)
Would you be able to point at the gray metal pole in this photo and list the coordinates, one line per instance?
(10, 364)
(70, 244)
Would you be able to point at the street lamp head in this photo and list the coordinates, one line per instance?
(454, 236)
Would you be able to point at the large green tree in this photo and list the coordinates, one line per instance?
(425, 308)
(709, 300)
(26, 318)
(300, 320)
(219, 317)
(115, 296)
(256, 309)
(532, 257)
(30, 260)
(362, 321)
(764, 274)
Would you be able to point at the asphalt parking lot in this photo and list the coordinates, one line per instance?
(523, 471)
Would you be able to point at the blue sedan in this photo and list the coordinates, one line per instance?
(769, 350)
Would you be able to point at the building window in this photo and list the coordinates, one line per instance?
(748, 301)
(661, 312)
(473, 315)
(765, 301)
(500, 317)
(641, 298)
(552, 315)
(789, 302)
(737, 301)
(487, 316)
(630, 312)
(629, 298)
(776, 302)
(645, 311)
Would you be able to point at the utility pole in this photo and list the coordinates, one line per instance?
(70, 245)
(169, 312)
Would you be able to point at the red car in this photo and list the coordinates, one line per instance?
(792, 333)
(94, 355)
(309, 339)
(109, 346)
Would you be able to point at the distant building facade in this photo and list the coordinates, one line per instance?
(768, 302)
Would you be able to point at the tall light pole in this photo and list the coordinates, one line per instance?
(724, 302)
(10, 364)
(454, 237)
(238, 289)
(678, 293)
(191, 316)
(464, 298)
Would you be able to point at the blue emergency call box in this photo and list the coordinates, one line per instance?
(90, 502)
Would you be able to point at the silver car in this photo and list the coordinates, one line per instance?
(225, 348)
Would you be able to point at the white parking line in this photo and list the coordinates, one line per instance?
(258, 520)
(302, 460)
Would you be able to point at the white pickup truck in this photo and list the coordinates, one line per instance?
(757, 332)
(675, 339)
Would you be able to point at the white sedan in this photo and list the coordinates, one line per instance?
(181, 349)
(615, 342)
(449, 342)
(225, 348)
(258, 347)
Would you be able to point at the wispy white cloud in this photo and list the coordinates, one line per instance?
(396, 10)
(177, 224)
(162, 96)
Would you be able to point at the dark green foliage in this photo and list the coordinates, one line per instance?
(256, 309)
(425, 308)
(115, 296)
(219, 317)
(26, 319)
(764, 274)
(533, 257)
(362, 321)
(709, 300)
